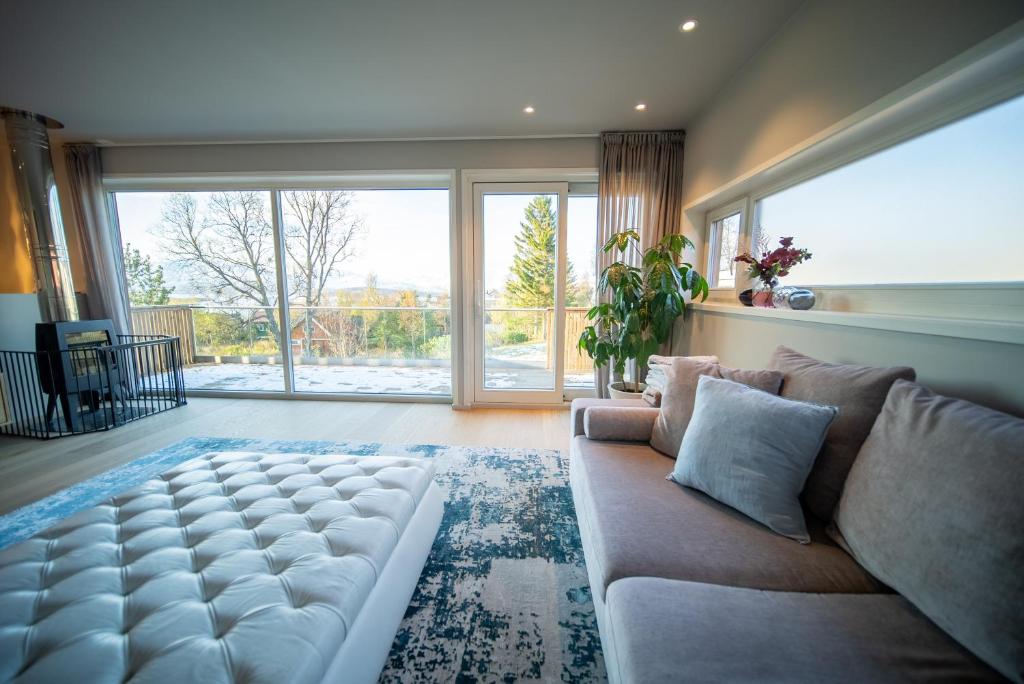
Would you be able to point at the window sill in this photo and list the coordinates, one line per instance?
(963, 328)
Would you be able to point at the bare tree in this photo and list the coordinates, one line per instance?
(730, 243)
(320, 230)
(227, 251)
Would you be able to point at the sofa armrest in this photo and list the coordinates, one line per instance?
(579, 407)
(619, 423)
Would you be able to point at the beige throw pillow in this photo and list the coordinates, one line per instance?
(657, 369)
(677, 399)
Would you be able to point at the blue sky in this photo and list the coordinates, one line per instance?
(405, 241)
(503, 215)
(942, 207)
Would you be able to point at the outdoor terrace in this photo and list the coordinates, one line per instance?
(359, 350)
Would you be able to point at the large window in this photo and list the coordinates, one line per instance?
(201, 266)
(940, 208)
(365, 284)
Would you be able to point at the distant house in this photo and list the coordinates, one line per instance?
(320, 345)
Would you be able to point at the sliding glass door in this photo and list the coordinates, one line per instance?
(328, 290)
(519, 291)
(368, 281)
(202, 266)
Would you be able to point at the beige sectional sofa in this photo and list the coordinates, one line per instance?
(688, 589)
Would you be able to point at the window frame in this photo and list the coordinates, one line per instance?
(578, 176)
(982, 77)
(755, 198)
(274, 185)
(714, 240)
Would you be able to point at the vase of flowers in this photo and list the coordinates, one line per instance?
(773, 264)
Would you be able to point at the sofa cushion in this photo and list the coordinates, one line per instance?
(752, 450)
(579, 408)
(677, 399)
(858, 392)
(671, 631)
(638, 523)
(932, 508)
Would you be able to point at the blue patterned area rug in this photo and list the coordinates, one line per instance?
(504, 595)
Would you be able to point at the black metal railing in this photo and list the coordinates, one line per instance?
(53, 394)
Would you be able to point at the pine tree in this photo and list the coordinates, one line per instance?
(146, 286)
(531, 283)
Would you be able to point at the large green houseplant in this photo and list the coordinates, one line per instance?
(644, 303)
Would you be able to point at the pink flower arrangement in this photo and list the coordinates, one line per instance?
(776, 263)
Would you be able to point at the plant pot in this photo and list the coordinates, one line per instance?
(617, 391)
(763, 299)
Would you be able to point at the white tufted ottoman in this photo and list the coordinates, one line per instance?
(233, 567)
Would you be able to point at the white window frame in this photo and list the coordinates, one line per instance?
(714, 239)
(990, 73)
(468, 238)
(274, 184)
(482, 394)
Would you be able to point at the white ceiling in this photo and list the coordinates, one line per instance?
(131, 71)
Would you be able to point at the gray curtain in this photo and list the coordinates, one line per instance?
(640, 188)
(100, 244)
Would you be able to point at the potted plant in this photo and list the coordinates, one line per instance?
(644, 303)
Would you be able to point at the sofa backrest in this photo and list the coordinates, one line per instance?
(933, 508)
(858, 392)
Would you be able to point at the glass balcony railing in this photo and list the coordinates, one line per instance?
(353, 349)
(339, 349)
(379, 333)
(371, 349)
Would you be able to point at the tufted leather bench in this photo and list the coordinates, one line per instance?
(234, 566)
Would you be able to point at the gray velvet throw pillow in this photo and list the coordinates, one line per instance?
(752, 450)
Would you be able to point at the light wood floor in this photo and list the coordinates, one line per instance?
(31, 469)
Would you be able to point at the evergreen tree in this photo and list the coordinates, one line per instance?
(146, 286)
(532, 280)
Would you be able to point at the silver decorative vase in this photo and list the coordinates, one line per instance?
(789, 297)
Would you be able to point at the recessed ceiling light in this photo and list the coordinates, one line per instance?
(688, 25)
(640, 106)
(529, 109)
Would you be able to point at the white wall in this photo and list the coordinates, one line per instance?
(354, 156)
(832, 59)
(18, 315)
(990, 373)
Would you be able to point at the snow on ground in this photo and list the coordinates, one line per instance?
(253, 377)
